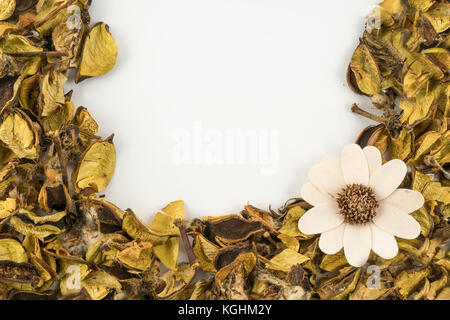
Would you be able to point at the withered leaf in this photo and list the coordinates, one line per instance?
(99, 53)
(95, 168)
(285, 260)
(365, 72)
(17, 133)
(7, 8)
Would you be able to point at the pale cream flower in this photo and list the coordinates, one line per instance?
(357, 205)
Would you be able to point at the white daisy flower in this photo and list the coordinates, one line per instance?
(357, 205)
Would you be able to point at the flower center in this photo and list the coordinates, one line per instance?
(357, 203)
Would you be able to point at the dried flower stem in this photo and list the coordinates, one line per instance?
(39, 54)
(187, 245)
(354, 108)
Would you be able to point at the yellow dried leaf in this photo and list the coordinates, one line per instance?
(431, 190)
(7, 207)
(12, 250)
(99, 284)
(392, 6)
(423, 217)
(99, 53)
(290, 242)
(444, 294)
(439, 16)
(167, 252)
(87, 124)
(285, 260)
(17, 135)
(95, 168)
(422, 5)
(426, 142)
(290, 226)
(365, 71)
(58, 118)
(136, 229)
(40, 231)
(163, 225)
(340, 286)
(205, 251)
(401, 146)
(420, 71)
(50, 13)
(138, 256)
(29, 92)
(7, 8)
(408, 281)
(38, 219)
(439, 56)
(12, 43)
(102, 250)
(52, 92)
(332, 262)
(416, 109)
(175, 209)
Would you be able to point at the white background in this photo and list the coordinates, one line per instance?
(227, 64)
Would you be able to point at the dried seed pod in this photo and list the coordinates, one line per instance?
(231, 229)
(234, 257)
(54, 196)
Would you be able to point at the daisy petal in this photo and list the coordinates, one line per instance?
(332, 241)
(325, 181)
(357, 244)
(354, 165)
(383, 243)
(406, 200)
(332, 163)
(373, 157)
(313, 196)
(396, 222)
(387, 178)
(320, 219)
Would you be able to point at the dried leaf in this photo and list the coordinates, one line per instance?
(95, 168)
(99, 53)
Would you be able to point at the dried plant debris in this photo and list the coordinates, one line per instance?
(59, 239)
